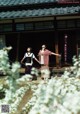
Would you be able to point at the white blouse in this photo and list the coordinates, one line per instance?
(29, 59)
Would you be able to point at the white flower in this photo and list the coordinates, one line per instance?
(15, 67)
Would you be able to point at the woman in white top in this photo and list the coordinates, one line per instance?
(28, 57)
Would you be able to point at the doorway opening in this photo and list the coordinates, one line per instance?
(20, 42)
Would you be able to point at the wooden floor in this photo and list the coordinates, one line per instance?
(54, 70)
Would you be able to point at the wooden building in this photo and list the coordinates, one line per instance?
(55, 23)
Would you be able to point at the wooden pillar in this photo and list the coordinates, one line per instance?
(77, 43)
(56, 51)
(18, 44)
(56, 41)
(17, 39)
(2, 41)
(77, 49)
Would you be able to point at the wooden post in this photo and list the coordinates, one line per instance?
(18, 43)
(77, 49)
(56, 50)
(56, 41)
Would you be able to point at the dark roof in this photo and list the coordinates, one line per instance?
(29, 2)
(40, 12)
(23, 2)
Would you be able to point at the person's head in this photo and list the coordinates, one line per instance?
(29, 49)
(44, 46)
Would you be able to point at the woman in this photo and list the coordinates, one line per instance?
(28, 57)
(44, 55)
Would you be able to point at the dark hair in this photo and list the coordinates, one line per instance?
(30, 48)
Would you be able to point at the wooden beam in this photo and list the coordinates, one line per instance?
(67, 17)
(35, 19)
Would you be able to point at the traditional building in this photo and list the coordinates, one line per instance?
(55, 23)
